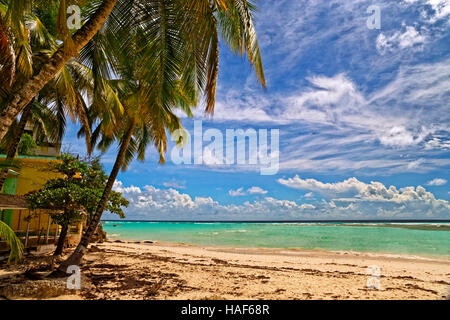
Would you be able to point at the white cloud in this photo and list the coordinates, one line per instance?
(353, 191)
(237, 193)
(437, 143)
(118, 186)
(441, 9)
(437, 182)
(256, 190)
(390, 110)
(174, 184)
(330, 189)
(401, 136)
(355, 111)
(407, 115)
(400, 40)
(308, 195)
(242, 192)
(351, 199)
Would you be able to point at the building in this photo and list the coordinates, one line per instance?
(34, 227)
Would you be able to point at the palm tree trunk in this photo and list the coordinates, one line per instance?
(61, 240)
(77, 255)
(23, 93)
(12, 149)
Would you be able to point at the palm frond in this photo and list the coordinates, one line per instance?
(8, 235)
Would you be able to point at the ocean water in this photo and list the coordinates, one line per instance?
(428, 239)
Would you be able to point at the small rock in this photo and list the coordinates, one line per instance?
(39, 289)
(42, 289)
(95, 249)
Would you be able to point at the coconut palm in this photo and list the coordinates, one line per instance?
(164, 60)
(8, 235)
(233, 18)
(21, 93)
(61, 96)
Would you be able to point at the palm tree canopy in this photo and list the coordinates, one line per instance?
(151, 58)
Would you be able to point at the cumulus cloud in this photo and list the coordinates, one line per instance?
(118, 186)
(351, 185)
(237, 193)
(374, 195)
(166, 200)
(256, 190)
(241, 192)
(349, 199)
(437, 182)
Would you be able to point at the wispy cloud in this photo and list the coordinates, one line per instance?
(437, 182)
(401, 40)
(174, 184)
(340, 104)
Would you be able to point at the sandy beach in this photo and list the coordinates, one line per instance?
(130, 270)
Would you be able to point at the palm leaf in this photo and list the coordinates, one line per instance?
(8, 235)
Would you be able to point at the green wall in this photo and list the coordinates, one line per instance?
(9, 187)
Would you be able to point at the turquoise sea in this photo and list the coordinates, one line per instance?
(425, 238)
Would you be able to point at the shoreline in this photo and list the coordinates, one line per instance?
(290, 249)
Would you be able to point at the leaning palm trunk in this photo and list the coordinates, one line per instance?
(61, 240)
(23, 93)
(77, 255)
(12, 149)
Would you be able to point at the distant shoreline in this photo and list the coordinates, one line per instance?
(280, 251)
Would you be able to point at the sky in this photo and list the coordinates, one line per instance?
(363, 116)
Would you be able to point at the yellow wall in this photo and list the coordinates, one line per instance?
(33, 174)
(38, 221)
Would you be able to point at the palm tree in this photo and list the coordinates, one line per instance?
(232, 17)
(165, 59)
(7, 234)
(61, 96)
(21, 93)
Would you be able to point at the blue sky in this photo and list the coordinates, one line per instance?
(363, 116)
